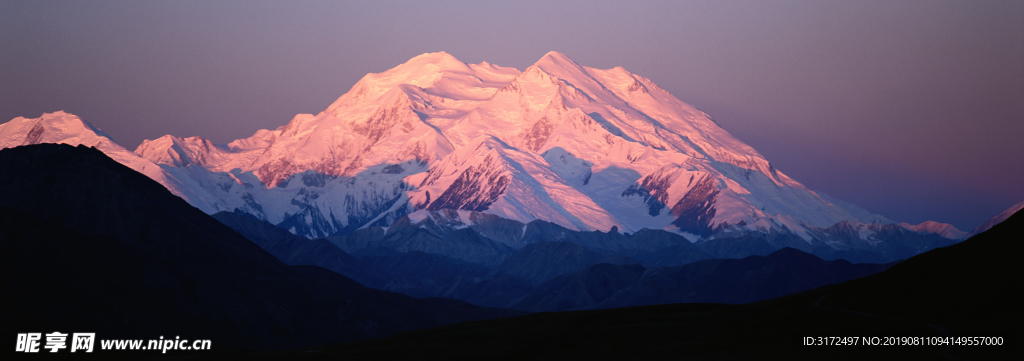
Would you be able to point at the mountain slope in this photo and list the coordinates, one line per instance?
(89, 244)
(582, 147)
(750, 279)
(963, 290)
(973, 277)
(297, 250)
(999, 218)
(735, 281)
(580, 289)
(587, 149)
(539, 262)
(191, 184)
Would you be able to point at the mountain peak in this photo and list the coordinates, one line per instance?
(56, 127)
(556, 64)
(555, 56)
(424, 71)
(175, 151)
(441, 60)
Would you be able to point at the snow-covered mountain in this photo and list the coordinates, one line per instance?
(587, 149)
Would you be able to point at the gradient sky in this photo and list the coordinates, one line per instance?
(911, 109)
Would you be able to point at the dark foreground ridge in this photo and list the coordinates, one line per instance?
(89, 245)
(963, 290)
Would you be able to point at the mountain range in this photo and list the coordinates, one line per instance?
(440, 192)
(582, 148)
(942, 296)
(556, 270)
(90, 244)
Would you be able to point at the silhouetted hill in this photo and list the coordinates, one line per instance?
(749, 279)
(964, 290)
(89, 245)
(968, 288)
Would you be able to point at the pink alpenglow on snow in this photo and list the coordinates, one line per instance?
(586, 148)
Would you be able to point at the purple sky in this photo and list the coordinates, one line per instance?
(910, 109)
